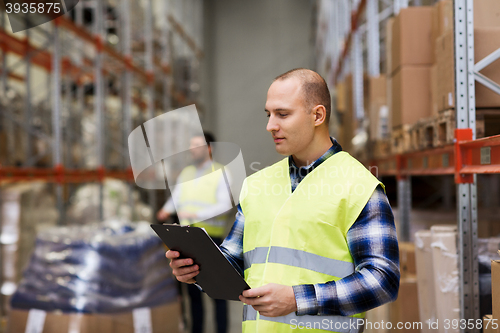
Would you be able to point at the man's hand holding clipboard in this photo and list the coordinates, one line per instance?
(195, 258)
(184, 269)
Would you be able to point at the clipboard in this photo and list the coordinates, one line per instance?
(218, 278)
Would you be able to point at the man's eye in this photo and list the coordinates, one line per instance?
(268, 115)
(283, 114)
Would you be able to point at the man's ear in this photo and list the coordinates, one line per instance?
(319, 112)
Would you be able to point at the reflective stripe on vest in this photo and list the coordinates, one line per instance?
(298, 258)
(338, 324)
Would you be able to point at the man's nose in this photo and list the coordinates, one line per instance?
(272, 126)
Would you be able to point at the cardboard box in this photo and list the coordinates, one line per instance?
(349, 121)
(379, 121)
(489, 326)
(340, 96)
(366, 94)
(488, 124)
(164, 318)
(434, 91)
(445, 72)
(486, 13)
(487, 40)
(411, 38)
(377, 105)
(405, 308)
(442, 21)
(446, 278)
(425, 279)
(389, 27)
(377, 89)
(411, 95)
(444, 11)
(407, 265)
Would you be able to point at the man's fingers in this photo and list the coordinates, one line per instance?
(188, 278)
(183, 269)
(253, 300)
(172, 254)
(177, 263)
(255, 292)
(186, 270)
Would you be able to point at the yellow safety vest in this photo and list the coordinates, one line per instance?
(300, 237)
(199, 193)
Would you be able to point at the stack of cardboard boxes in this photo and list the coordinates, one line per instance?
(401, 96)
(443, 69)
(486, 40)
(410, 66)
(420, 78)
(378, 114)
(345, 105)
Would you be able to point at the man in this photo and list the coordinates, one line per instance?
(314, 233)
(199, 199)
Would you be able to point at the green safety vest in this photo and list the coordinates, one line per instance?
(199, 193)
(300, 237)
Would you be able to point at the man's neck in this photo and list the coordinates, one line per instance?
(314, 151)
(201, 164)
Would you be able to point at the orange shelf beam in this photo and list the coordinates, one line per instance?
(62, 175)
(106, 48)
(462, 159)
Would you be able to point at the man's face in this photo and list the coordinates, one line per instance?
(199, 150)
(290, 122)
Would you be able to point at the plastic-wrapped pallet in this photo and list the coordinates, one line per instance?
(103, 268)
(446, 278)
(425, 279)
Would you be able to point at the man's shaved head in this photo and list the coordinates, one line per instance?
(314, 89)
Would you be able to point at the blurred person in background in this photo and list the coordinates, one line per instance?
(201, 202)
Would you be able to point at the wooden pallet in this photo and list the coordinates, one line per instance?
(444, 125)
(487, 122)
(380, 148)
(422, 134)
(414, 136)
(400, 139)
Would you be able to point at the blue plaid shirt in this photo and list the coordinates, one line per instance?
(372, 242)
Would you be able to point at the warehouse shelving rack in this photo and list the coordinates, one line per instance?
(464, 159)
(71, 65)
(92, 70)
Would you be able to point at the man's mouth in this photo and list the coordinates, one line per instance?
(278, 140)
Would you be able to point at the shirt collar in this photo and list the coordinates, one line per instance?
(335, 148)
(204, 165)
